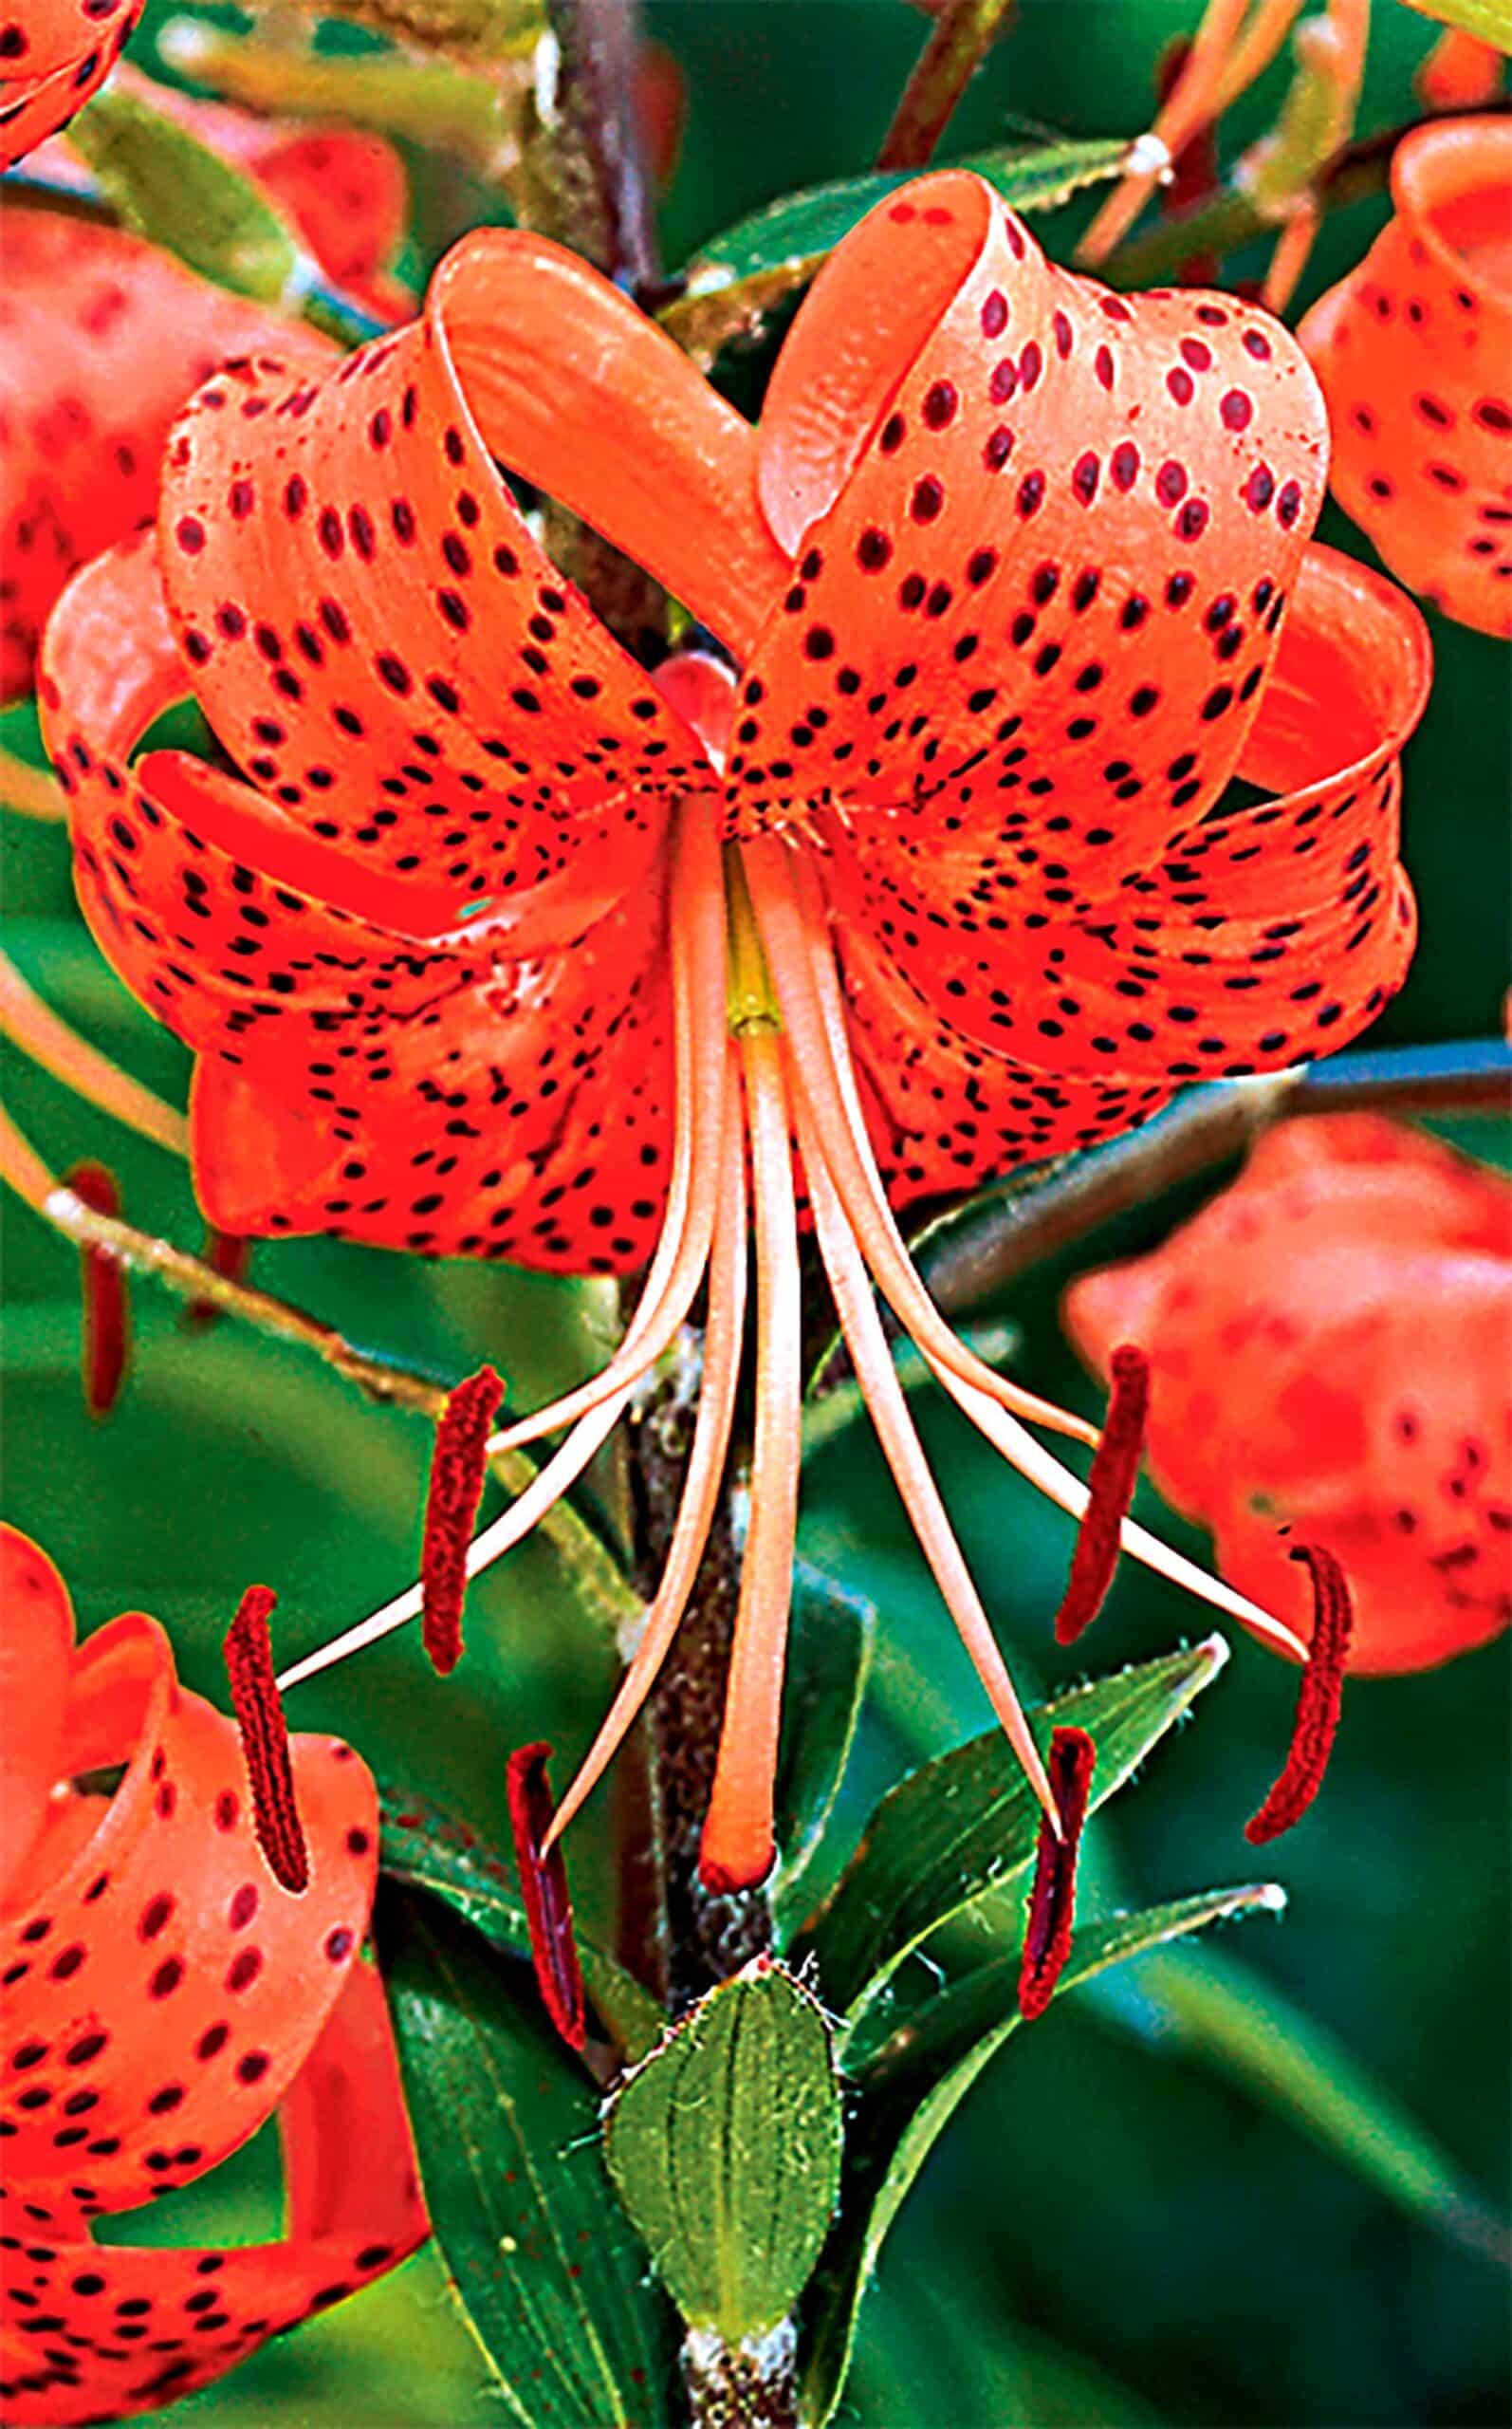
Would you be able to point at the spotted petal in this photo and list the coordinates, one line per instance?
(1415, 351)
(36, 1651)
(108, 2333)
(53, 55)
(1034, 494)
(101, 340)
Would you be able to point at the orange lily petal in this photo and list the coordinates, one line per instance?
(540, 342)
(53, 55)
(1179, 975)
(36, 1653)
(1412, 349)
(124, 2330)
(101, 340)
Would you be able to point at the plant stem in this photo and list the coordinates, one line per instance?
(701, 1938)
(963, 33)
(976, 1253)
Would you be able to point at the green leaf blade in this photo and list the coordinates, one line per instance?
(169, 187)
(965, 1823)
(724, 2149)
(545, 2268)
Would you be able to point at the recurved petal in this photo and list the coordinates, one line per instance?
(379, 640)
(162, 1988)
(593, 403)
(1262, 938)
(36, 1653)
(525, 1112)
(141, 2328)
(53, 55)
(101, 340)
(1029, 496)
(1415, 352)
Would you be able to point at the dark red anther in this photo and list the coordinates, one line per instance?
(229, 1254)
(1318, 1700)
(259, 1711)
(459, 1464)
(1053, 1899)
(1115, 1471)
(548, 1905)
(107, 1336)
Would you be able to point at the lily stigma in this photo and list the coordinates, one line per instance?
(916, 871)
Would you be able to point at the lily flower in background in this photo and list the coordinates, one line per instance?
(510, 949)
(162, 1995)
(101, 340)
(1414, 353)
(1330, 1344)
(53, 55)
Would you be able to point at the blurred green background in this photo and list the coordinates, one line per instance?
(1120, 2230)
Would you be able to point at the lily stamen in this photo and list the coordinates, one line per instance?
(459, 1467)
(1319, 1699)
(265, 1741)
(1111, 1485)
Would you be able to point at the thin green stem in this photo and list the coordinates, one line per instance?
(964, 32)
(974, 1252)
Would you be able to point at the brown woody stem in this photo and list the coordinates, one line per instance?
(964, 32)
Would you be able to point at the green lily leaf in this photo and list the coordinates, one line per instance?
(912, 2084)
(172, 188)
(736, 280)
(426, 1849)
(1213, 2007)
(546, 2273)
(829, 1660)
(967, 1822)
(1488, 20)
(724, 2149)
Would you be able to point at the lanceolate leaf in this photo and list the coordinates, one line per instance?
(1488, 20)
(172, 188)
(913, 2085)
(746, 273)
(429, 1850)
(725, 2149)
(834, 1631)
(549, 2275)
(1213, 2007)
(965, 1823)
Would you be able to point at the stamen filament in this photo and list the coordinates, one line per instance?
(704, 1476)
(33, 1026)
(1068, 1492)
(265, 1741)
(699, 1031)
(738, 1843)
(803, 972)
(1193, 100)
(876, 1374)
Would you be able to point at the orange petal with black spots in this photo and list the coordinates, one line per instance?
(1415, 352)
(53, 55)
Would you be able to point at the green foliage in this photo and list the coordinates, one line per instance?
(829, 1661)
(965, 1823)
(172, 188)
(725, 2149)
(538, 2259)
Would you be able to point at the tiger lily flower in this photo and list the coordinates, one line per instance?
(53, 55)
(509, 949)
(103, 338)
(1330, 1341)
(1414, 352)
(162, 1995)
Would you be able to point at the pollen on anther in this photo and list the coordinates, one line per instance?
(543, 1884)
(1110, 1484)
(1052, 1899)
(107, 1312)
(265, 1739)
(1318, 1700)
(459, 1467)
